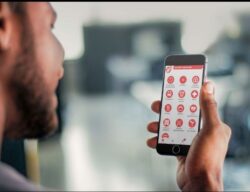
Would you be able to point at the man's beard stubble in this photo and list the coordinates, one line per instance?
(30, 95)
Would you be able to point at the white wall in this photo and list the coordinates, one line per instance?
(203, 21)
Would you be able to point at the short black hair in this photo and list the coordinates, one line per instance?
(17, 7)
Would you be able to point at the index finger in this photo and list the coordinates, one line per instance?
(156, 105)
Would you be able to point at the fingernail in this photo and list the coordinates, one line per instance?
(209, 88)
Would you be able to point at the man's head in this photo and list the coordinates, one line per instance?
(30, 67)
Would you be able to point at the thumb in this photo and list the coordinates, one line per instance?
(208, 105)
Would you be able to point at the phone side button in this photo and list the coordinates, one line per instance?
(176, 149)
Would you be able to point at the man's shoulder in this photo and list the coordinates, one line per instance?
(11, 180)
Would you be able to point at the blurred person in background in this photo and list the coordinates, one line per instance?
(31, 61)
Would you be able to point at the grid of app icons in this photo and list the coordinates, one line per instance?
(180, 104)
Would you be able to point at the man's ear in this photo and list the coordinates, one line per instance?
(6, 17)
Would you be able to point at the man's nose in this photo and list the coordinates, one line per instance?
(61, 70)
(60, 73)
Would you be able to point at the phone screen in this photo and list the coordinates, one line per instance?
(180, 111)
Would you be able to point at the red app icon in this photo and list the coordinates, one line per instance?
(192, 123)
(181, 93)
(179, 122)
(168, 108)
(180, 108)
(193, 108)
(194, 94)
(195, 79)
(183, 79)
(166, 122)
(164, 136)
(170, 79)
(168, 69)
(169, 93)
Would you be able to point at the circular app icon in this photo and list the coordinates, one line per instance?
(170, 79)
(195, 79)
(181, 93)
(168, 108)
(166, 122)
(193, 108)
(169, 93)
(179, 123)
(194, 94)
(192, 123)
(180, 108)
(164, 136)
(183, 79)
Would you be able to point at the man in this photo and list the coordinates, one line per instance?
(202, 169)
(30, 67)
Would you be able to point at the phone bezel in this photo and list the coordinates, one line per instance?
(167, 149)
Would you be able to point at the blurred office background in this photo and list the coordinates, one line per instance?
(113, 72)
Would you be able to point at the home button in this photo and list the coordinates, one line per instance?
(176, 149)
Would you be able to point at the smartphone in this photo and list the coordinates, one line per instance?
(180, 115)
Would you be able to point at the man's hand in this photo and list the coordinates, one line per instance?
(202, 168)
